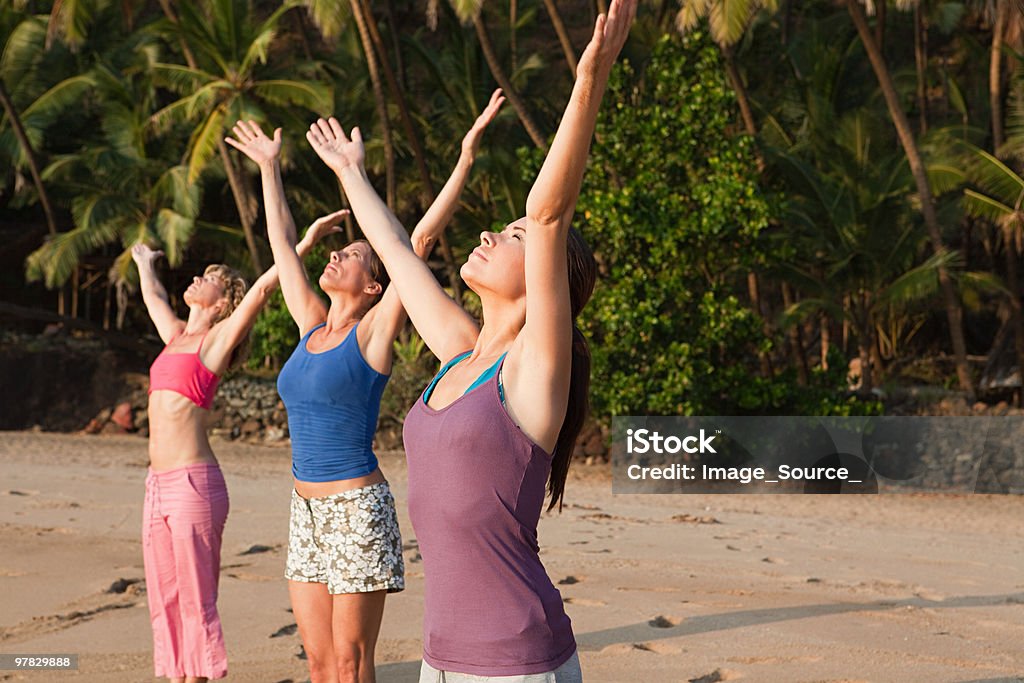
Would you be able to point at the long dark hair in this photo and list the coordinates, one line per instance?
(582, 276)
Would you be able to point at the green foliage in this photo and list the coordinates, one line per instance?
(673, 210)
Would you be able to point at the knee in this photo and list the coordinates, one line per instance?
(353, 663)
(321, 664)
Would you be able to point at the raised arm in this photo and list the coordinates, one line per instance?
(306, 308)
(538, 389)
(444, 326)
(154, 295)
(388, 316)
(228, 333)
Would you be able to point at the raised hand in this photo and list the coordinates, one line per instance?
(254, 144)
(610, 34)
(144, 256)
(324, 226)
(334, 148)
(471, 143)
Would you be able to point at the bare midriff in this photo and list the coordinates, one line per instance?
(319, 489)
(177, 432)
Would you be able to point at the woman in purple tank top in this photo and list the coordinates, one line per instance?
(480, 450)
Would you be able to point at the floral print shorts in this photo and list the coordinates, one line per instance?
(349, 541)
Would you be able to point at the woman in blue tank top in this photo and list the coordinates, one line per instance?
(479, 461)
(345, 549)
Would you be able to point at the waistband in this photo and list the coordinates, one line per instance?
(379, 487)
(194, 467)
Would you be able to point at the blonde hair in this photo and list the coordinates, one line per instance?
(234, 286)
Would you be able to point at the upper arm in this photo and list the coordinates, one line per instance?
(168, 325)
(541, 357)
(446, 328)
(306, 308)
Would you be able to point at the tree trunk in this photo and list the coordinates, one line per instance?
(246, 208)
(880, 9)
(429, 193)
(563, 35)
(954, 313)
(382, 108)
(513, 11)
(244, 200)
(866, 380)
(1013, 280)
(499, 75)
(399, 64)
(755, 301)
(26, 147)
(921, 61)
(995, 76)
(826, 338)
(796, 340)
(739, 88)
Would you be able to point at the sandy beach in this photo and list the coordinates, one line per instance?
(900, 588)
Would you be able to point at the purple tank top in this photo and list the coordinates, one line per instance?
(476, 489)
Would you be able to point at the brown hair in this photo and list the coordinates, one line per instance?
(582, 277)
(234, 287)
(377, 270)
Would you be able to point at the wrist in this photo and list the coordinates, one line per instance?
(269, 165)
(350, 172)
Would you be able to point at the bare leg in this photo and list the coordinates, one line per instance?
(357, 618)
(312, 608)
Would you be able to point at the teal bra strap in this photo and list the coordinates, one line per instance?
(486, 375)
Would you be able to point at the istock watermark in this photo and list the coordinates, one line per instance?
(817, 454)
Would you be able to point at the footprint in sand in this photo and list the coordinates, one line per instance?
(619, 649)
(288, 630)
(695, 519)
(570, 580)
(716, 676)
(124, 586)
(774, 560)
(257, 549)
(660, 648)
(586, 602)
(662, 621)
(247, 576)
(17, 492)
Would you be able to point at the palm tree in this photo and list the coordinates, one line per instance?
(998, 196)
(954, 313)
(859, 249)
(23, 39)
(471, 11)
(228, 78)
(727, 21)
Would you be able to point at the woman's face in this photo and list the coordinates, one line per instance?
(498, 265)
(206, 291)
(348, 270)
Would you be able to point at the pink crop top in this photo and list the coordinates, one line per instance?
(185, 374)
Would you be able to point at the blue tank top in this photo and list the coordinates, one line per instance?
(333, 400)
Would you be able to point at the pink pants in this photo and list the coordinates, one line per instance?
(182, 524)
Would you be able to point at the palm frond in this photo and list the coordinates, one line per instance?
(204, 142)
(316, 97)
(175, 231)
(467, 10)
(57, 258)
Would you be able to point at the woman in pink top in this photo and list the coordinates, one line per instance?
(479, 457)
(186, 499)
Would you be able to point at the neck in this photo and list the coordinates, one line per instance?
(200, 320)
(344, 312)
(503, 321)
